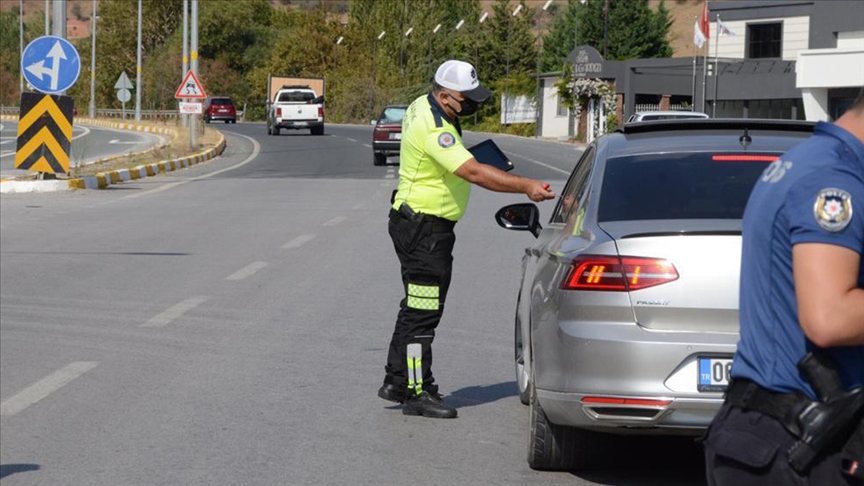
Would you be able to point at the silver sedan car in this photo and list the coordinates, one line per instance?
(627, 316)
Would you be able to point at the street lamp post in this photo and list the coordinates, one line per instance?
(453, 44)
(21, 44)
(92, 112)
(138, 70)
(429, 56)
(185, 118)
(374, 60)
(335, 67)
(193, 66)
(507, 75)
(401, 67)
(539, 96)
(477, 48)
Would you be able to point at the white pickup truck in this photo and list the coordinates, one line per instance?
(296, 107)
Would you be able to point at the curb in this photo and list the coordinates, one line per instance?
(105, 179)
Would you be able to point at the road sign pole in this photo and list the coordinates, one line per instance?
(60, 23)
(193, 125)
(138, 70)
(185, 118)
(93, 65)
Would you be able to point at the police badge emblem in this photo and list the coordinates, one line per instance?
(833, 209)
(446, 140)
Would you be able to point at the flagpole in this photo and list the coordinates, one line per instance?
(716, 72)
(693, 91)
(705, 71)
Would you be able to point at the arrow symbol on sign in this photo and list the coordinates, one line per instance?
(38, 68)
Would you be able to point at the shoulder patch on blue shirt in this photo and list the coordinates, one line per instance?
(833, 209)
(446, 140)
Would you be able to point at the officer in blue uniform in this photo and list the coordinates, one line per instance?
(802, 290)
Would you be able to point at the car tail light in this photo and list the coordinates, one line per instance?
(627, 401)
(279, 112)
(321, 112)
(380, 135)
(599, 272)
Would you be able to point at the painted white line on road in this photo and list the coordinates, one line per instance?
(351, 139)
(367, 145)
(44, 387)
(390, 176)
(256, 148)
(247, 271)
(539, 163)
(175, 311)
(298, 242)
(335, 221)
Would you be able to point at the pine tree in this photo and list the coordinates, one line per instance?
(560, 40)
(633, 30)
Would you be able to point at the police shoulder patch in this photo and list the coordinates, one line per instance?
(446, 140)
(833, 209)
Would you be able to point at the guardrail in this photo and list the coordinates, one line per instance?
(116, 113)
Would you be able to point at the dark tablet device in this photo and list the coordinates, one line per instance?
(487, 152)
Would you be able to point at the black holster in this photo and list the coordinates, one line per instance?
(852, 458)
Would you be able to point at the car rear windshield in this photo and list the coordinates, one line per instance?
(679, 186)
(296, 97)
(392, 115)
(668, 117)
(221, 101)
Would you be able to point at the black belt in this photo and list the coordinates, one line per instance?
(784, 407)
(438, 224)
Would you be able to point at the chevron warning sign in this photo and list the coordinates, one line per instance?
(44, 133)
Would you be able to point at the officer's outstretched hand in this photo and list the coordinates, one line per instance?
(539, 191)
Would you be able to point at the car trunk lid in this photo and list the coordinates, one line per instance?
(707, 257)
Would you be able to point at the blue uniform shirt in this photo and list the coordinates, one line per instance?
(813, 194)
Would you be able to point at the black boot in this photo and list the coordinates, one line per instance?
(391, 393)
(428, 405)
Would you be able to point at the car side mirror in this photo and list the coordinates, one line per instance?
(520, 217)
(373, 122)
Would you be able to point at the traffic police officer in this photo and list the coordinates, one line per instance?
(802, 290)
(435, 176)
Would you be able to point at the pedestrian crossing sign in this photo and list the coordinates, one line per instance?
(190, 88)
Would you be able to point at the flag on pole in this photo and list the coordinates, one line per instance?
(698, 37)
(723, 30)
(705, 24)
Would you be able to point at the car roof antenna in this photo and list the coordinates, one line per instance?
(745, 139)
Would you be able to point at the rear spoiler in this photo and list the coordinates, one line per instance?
(716, 124)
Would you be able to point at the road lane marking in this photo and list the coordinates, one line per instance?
(367, 145)
(335, 221)
(256, 148)
(298, 242)
(175, 311)
(247, 271)
(351, 139)
(44, 387)
(390, 176)
(567, 172)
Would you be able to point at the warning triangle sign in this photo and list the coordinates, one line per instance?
(190, 88)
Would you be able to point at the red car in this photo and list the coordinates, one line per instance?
(220, 109)
(387, 136)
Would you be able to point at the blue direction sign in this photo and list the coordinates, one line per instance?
(50, 64)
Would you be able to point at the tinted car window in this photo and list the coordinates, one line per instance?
(668, 117)
(392, 115)
(676, 186)
(575, 189)
(296, 96)
(221, 101)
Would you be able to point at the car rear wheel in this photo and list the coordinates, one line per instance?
(556, 447)
(319, 130)
(523, 380)
(379, 159)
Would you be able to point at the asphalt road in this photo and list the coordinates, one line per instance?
(88, 143)
(228, 325)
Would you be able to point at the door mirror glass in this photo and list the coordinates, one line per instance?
(520, 217)
(373, 122)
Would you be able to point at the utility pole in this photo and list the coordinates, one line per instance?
(47, 17)
(138, 70)
(507, 76)
(60, 21)
(21, 42)
(193, 65)
(92, 113)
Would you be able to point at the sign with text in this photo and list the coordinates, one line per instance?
(190, 108)
(587, 62)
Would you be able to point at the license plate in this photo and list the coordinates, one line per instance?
(299, 124)
(713, 374)
(396, 136)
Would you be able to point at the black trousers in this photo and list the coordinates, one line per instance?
(425, 252)
(744, 448)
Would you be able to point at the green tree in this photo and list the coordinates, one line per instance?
(560, 39)
(634, 31)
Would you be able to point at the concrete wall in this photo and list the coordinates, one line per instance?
(796, 34)
(553, 125)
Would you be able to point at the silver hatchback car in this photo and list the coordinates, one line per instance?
(627, 316)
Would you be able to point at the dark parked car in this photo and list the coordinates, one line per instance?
(627, 317)
(387, 136)
(220, 109)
